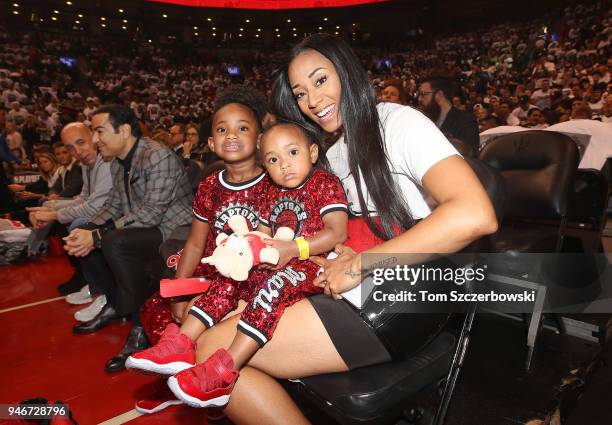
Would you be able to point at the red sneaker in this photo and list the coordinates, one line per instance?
(159, 401)
(208, 384)
(173, 353)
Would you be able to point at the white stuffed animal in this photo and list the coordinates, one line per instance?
(236, 254)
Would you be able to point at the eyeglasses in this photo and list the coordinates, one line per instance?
(423, 93)
(192, 134)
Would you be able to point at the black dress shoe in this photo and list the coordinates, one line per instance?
(136, 341)
(107, 316)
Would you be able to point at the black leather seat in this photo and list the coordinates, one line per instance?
(587, 211)
(607, 172)
(494, 184)
(378, 394)
(539, 168)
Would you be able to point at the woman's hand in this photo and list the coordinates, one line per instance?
(187, 146)
(340, 274)
(287, 250)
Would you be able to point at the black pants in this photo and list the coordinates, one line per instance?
(118, 270)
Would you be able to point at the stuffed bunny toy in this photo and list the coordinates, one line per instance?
(236, 254)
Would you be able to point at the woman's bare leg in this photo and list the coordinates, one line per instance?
(299, 347)
(252, 397)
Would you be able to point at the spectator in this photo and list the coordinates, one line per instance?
(523, 107)
(582, 112)
(29, 132)
(13, 137)
(459, 127)
(70, 179)
(393, 92)
(77, 139)
(534, 119)
(541, 97)
(177, 138)
(606, 110)
(150, 197)
(5, 156)
(17, 114)
(192, 148)
(489, 122)
(595, 99)
(89, 108)
(504, 114)
(29, 194)
(324, 348)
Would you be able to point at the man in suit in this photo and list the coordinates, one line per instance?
(460, 127)
(177, 138)
(151, 196)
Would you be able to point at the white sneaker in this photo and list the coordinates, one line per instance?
(91, 310)
(81, 297)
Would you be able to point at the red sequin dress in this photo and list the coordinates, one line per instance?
(215, 202)
(302, 209)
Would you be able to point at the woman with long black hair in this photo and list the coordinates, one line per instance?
(388, 157)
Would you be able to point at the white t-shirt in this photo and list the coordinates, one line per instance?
(600, 144)
(413, 144)
(596, 107)
(520, 113)
(18, 117)
(513, 120)
(541, 99)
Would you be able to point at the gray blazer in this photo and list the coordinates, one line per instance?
(159, 192)
(97, 184)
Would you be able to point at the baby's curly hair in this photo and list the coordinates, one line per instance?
(244, 95)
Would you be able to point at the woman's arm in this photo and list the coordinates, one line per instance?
(464, 214)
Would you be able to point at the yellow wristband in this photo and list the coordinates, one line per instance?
(303, 247)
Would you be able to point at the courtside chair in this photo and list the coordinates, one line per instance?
(587, 212)
(539, 169)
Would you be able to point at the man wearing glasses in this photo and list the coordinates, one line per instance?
(459, 127)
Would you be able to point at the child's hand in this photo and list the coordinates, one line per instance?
(178, 310)
(286, 250)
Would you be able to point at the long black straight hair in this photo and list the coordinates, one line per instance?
(361, 128)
